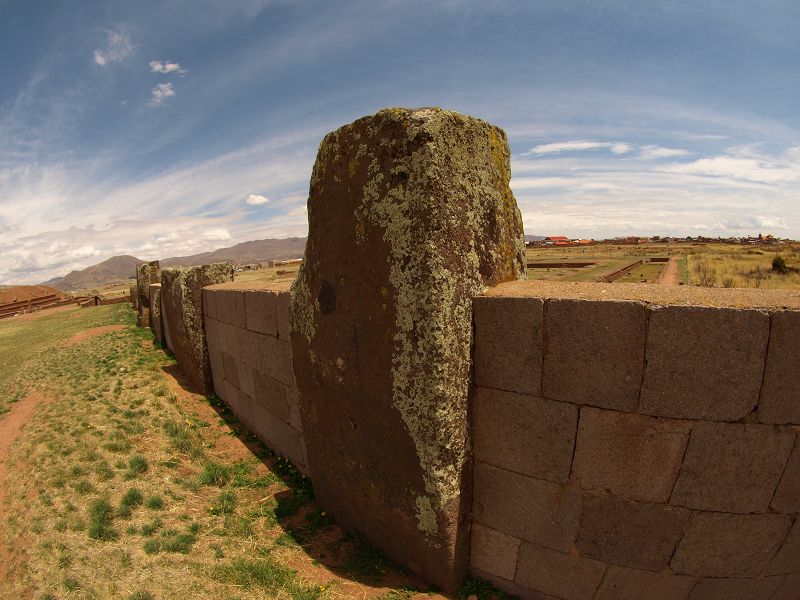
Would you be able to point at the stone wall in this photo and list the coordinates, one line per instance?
(247, 331)
(632, 442)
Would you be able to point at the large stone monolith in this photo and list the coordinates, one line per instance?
(146, 273)
(182, 315)
(410, 216)
(156, 321)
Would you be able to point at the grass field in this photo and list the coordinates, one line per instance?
(123, 484)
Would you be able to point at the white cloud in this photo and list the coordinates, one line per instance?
(256, 200)
(157, 66)
(580, 145)
(160, 93)
(656, 152)
(118, 47)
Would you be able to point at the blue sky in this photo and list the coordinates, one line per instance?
(178, 126)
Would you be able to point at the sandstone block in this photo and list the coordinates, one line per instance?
(277, 434)
(213, 333)
(509, 586)
(210, 304)
(230, 307)
(260, 312)
(787, 496)
(410, 217)
(732, 467)
(631, 534)
(728, 545)
(182, 310)
(156, 322)
(247, 380)
(146, 273)
(524, 434)
(704, 362)
(282, 301)
(274, 396)
(633, 456)
(240, 405)
(217, 369)
(530, 509)
(494, 552)
(231, 369)
(737, 589)
(788, 588)
(508, 343)
(787, 560)
(632, 584)
(229, 338)
(595, 352)
(277, 361)
(561, 575)
(780, 394)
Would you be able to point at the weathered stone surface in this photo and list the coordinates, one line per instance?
(282, 301)
(530, 509)
(787, 560)
(508, 344)
(633, 456)
(524, 434)
(146, 273)
(182, 312)
(595, 352)
(632, 584)
(494, 552)
(410, 216)
(156, 322)
(134, 297)
(229, 307)
(509, 586)
(732, 467)
(780, 394)
(260, 312)
(787, 495)
(631, 534)
(727, 545)
(788, 588)
(737, 589)
(704, 363)
(561, 575)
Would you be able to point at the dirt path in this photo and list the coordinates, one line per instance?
(82, 335)
(670, 274)
(10, 426)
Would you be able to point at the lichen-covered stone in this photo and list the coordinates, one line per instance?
(156, 321)
(410, 216)
(146, 273)
(182, 314)
(134, 297)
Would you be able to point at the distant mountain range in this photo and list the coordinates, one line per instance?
(120, 269)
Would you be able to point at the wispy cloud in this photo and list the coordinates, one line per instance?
(160, 93)
(166, 67)
(256, 200)
(651, 152)
(578, 146)
(118, 47)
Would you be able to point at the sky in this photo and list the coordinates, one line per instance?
(171, 127)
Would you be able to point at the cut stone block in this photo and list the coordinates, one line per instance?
(633, 456)
(595, 352)
(788, 588)
(737, 589)
(632, 584)
(530, 509)
(260, 312)
(494, 552)
(703, 362)
(558, 574)
(631, 534)
(780, 394)
(282, 301)
(727, 545)
(146, 273)
(410, 217)
(732, 467)
(229, 307)
(508, 343)
(524, 434)
(787, 496)
(787, 560)
(156, 322)
(181, 299)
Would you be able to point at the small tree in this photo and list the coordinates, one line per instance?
(779, 265)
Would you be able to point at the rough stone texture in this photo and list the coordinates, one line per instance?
(631, 584)
(260, 312)
(788, 589)
(595, 352)
(181, 301)
(508, 344)
(494, 552)
(727, 545)
(134, 297)
(530, 509)
(633, 456)
(631, 534)
(561, 575)
(410, 216)
(732, 467)
(230, 307)
(704, 363)
(524, 434)
(737, 589)
(780, 394)
(146, 273)
(156, 322)
(787, 495)
(787, 560)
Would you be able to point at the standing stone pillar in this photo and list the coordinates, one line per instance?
(410, 216)
(146, 273)
(156, 322)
